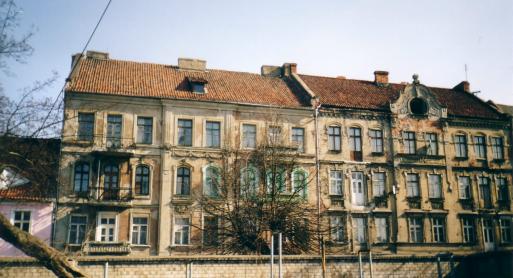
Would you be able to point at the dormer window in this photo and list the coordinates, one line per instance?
(418, 106)
(197, 85)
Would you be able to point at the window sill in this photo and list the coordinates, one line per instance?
(334, 152)
(341, 196)
(142, 197)
(141, 246)
(461, 158)
(377, 153)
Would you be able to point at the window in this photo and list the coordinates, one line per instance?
(480, 146)
(114, 123)
(355, 143)
(336, 182)
(185, 132)
(469, 230)
(144, 130)
(412, 185)
(378, 184)
(438, 229)
(497, 148)
(21, 220)
(409, 143)
(431, 144)
(298, 138)
(460, 143)
(210, 230)
(181, 230)
(484, 189)
(140, 230)
(77, 229)
(505, 224)
(334, 138)
(376, 137)
(464, 187)
(183, 181)
(110, 181)
(274, 134)
(435, 186)
(106, 228)
(213, 130)
(381, 229)
(337, 228)
(418, 106)
(142, 180)
(276, 179)
(360, 229)
(249, 181)
(299, 182)
(502, 186)
(85, 126)
(81, 180)
(212, 180)
(249, 136)
(416, 229)
(198, 87)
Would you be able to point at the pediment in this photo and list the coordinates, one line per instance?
(417, 100)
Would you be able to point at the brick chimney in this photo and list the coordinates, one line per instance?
(289, 69)
(381, 77)
(75, 58)
(192, 64)
(97, 54)
(464, 86)
(270, 71)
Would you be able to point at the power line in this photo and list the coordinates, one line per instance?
(73, 67)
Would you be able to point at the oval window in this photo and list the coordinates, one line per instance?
(418, 106)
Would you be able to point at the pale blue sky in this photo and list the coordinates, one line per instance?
(352, 38)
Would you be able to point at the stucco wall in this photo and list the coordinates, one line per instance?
(40, 223)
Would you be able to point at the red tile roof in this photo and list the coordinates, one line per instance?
(367, 95)
(26, 192)
(115, 77)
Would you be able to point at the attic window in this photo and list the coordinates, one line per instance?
(418, 106)
(197, 85)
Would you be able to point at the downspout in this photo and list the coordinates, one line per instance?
(317, 176)
(394, 221)
(162, 155)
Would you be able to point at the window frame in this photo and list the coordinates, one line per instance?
(338, 232)
(468, 230)
(432, 143)
(181, 131)
(502, 189)
(142, 128)
(481, 185)
(81, 163)
(245, 137)
(86, 224)
(409, 142)
(22, 221)
(356, 143)
(468, 187)
(179, 177)
(335, 180)
(304, 191)
(214, 193)
(205, 231)
(461, 146)
(114, 138)
(148, 176)
(245, 189)
(175, 230)
(334, 140)
(274, 138)
(379, 183)
(505, 230)
(376, 138)
(382, 228)
(497, 147)
(438, 189)
(211, 136)
(80, 128)
(417, 235)
(410, 182)
(439, 229)
(480, 146)
(106, 214)
(293, 137)
(133, 224)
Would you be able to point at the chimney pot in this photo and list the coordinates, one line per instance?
(464, 86)
(381, 77)
(192, 64)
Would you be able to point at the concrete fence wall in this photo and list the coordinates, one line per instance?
(238, 266)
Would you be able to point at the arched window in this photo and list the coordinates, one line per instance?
(212, 181)
(276, 179)
(249, 181)
(183, 181)
(418, 106)
(110, 181)
(299, 182)
(142, 180)
(81, 181)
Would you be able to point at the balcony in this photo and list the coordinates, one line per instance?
(106, 248)
(119, 196)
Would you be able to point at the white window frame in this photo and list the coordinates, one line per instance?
(243, 136)
(435, 189)
(334, 181)
(414, 228)
(462, 188)
(468, 230)
(375, 146)
(99, 225)
(132, 225)
(413, 190)
(301, 146)
(175, 230)
(69, 227)
(437, 225)
(377, 183)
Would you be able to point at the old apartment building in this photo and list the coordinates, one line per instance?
(403, 168)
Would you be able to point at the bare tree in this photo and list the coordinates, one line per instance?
(256, 193)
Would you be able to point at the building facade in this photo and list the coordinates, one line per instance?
(402, 168)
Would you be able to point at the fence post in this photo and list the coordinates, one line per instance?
(272, 256)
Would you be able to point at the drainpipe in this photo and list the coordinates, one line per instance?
(394, 189)
(317, 175)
